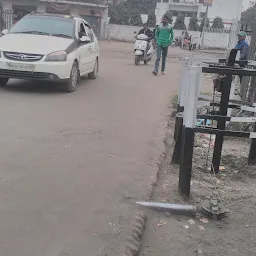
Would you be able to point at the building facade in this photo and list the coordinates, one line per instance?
(94, 11)
(228, 10)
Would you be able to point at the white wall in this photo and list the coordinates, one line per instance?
(211, 40)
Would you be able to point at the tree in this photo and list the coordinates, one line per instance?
(202, 24)
(249, 16)
(128, 12)
(151, 18)
(193, 24)
(180, 23)
(218, 23)
(169, 15)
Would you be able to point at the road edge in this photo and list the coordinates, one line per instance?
(134, 239)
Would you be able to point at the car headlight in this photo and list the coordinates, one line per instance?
(56, 56)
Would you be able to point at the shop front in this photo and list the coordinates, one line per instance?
(95, 14)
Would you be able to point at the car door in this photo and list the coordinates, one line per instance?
(93, 49)
(84, 49)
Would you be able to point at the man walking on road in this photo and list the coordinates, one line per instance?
(164, 36)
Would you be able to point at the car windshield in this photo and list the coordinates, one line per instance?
(53, 26)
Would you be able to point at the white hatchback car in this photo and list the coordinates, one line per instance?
(49, 47)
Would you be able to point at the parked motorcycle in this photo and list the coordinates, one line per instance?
(143, 49)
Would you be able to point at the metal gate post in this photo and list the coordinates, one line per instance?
(221, 123)
(189, 121)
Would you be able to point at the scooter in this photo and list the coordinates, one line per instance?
(143, 49)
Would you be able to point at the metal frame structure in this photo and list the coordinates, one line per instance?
(185, 127)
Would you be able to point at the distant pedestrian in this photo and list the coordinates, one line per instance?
(164, 36)
(242, 46)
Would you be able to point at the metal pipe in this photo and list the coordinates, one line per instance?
(177, 209)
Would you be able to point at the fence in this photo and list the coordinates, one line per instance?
(212, 38)
(6, 19)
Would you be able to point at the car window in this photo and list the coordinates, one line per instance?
(89, 31)
(82, 30)
(45, 25)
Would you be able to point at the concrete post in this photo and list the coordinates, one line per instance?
(104, 20)
(251, 56)
(7, 14)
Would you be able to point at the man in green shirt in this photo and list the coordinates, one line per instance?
(164, 36)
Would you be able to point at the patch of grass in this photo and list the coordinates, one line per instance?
(174, 101)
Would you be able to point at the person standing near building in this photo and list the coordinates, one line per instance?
(242, 46)
(164, 36)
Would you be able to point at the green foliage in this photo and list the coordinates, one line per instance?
(193, 24)
(174, 101)
(128, 12)
(218, 23)
(202, 24)
(169, 15)
(180, 23)
(249, 15)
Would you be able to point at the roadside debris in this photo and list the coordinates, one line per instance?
(214, 209)
(201, 228)
(191, 222)
(204, 220)
(178, 209)
(161, 223)
(199, 251)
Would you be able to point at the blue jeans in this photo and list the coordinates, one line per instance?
(160, 50)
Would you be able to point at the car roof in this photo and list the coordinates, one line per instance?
(64, 16)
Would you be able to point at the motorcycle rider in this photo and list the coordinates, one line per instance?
(146, 31)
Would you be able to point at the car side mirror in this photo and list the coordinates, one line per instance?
(135, 32)
(4, 32)
(85, 39)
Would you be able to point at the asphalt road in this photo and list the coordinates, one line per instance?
(71, 165)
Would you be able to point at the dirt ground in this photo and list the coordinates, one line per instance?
(168, 235)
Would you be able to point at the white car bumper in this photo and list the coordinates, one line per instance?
(40, 70)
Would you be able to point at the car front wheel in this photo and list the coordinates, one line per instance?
(72, 82)
(3, 81)
(94, 73)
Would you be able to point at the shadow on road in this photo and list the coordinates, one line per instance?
(37, 87)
